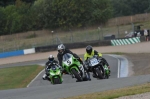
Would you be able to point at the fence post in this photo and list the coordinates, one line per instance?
(52, 32)
(57, 38)
(132, 27)
(71, 36)
(99, 33)
(117, 26)
(102, 32)
(118, 30)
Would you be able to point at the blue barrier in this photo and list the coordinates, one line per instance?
(12, 53)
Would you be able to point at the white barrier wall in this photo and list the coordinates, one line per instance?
(29, 51)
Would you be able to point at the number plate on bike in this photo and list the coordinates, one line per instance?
(93, 62)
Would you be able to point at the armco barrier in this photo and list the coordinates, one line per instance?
(12, 53)
(53, 48)
(17, 53)
(125, 41)
(115, 42)
(29, 51)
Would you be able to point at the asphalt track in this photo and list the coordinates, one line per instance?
(68, 79)
(42, 89)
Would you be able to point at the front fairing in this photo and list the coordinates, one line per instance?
(54, 70)
(93, 62)
(70, 62)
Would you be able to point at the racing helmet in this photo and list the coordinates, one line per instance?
(51, 58)
(61, 48)
(89, 49)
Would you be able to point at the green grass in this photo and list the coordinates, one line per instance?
(18, 77)
(111, 94)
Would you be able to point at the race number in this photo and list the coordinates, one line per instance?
(94, 62)
(68, 62)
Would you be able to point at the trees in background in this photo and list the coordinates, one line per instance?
(101, 11)
(16, 18)
(64, 13)
(130, 7)
(5, 3)
(25, 15)
(2, 20)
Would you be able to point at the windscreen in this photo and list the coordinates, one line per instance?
(66, 56)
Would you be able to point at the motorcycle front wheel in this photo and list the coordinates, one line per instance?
(76, 74)
(57, 81)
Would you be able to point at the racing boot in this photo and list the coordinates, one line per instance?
(44, 77)
(94, 75)
(78, 80)
(72, 76)
(89, 78)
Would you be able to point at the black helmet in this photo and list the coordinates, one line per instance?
(89, 49)
(61, 48)
(51, 57)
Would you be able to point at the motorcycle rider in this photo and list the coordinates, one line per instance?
(48, 65)
(62, 50)
(90, 53)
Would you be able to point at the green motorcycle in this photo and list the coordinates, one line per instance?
(72, 66)
(55, 75)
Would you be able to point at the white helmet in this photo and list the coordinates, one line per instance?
(51, 57)
(61, 48)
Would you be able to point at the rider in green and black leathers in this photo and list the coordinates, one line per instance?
(90, 53)
(62, 50)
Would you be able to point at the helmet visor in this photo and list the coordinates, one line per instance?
(61, 51)
(89, 52)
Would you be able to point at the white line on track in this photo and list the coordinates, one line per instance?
(122, 65)
(35, 78)
(119, 63)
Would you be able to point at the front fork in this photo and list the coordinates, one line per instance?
(81, 68)
(84, 71)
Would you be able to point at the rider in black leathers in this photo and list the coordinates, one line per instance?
(62, 50)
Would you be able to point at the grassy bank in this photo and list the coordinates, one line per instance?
(18, 77)
(112, 94)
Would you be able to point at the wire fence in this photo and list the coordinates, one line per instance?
(48, 37)
(16, 42)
